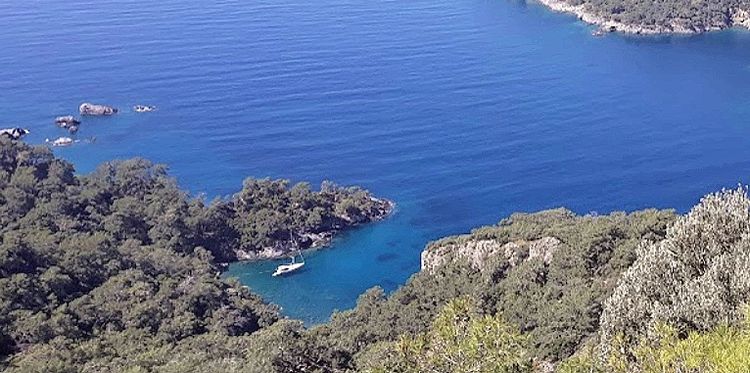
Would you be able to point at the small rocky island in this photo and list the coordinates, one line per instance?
(657, 17)
(96, 110)
(68, 122)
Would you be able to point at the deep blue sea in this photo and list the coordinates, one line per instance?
(462, 111)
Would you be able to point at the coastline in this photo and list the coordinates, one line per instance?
(738, 17)
(312, 241)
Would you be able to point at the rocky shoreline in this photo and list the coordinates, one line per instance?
(316, 240)
(736, 17)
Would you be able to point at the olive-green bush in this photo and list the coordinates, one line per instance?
(698, 277)
(460, 340)
(723, 349)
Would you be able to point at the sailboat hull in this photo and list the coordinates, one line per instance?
(287, 268)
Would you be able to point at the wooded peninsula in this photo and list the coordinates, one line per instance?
(657, 17)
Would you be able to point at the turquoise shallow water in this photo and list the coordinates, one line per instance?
(461, 111)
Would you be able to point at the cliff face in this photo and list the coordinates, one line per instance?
(519, 238)
(478, 252)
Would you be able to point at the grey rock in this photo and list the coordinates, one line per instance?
(94, 109)
(144, 108)
(544, 248)
(478, 252)
(67, 121)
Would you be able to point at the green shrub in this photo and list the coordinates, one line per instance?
(459, 340)
(698, 277)
(724, 349)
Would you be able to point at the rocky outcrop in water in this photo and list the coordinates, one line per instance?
(95, 109)
(61, 141)
(144, 108)
(68, 122)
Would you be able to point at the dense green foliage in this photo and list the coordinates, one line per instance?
(96, 270)
(668, 16)
(267, 213)
(724, 349)
(682, 306)
(460, 340)
(695, 279)
(116, 271)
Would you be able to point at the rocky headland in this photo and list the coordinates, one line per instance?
(655, 19)
(310, 239)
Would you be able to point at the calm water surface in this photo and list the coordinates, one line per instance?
(461, 111)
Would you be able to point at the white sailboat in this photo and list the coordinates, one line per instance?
(291, 267)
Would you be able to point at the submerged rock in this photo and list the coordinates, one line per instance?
(61, 141)
(144, 108)
(13, 133)
(94, 109)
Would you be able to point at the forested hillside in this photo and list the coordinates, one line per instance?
(117, 271)
(554, 301)
(644, 292)
(97, 269)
